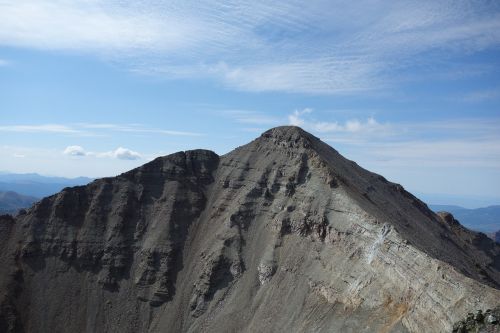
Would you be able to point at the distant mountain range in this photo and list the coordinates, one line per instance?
(11, 202)
(485, 219)
(35, 185)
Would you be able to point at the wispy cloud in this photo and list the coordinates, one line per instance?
(262, 45)
(47, 128)
(91, 26)
(4, 62)
(463, 142)
(480, 152)
(136, 128)
(483, 95)
(317, 76)
(251, 117)
(296, 119)
(92, 129)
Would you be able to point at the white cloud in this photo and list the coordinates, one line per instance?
(295, 118)
(90, 26)
(121, 154)
(74, 151)
(126, 154)
(351, 126)
(465, 143)
(54, 162)
(4, 62)
(262, 45)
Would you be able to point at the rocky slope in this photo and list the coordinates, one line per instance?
(280, 235)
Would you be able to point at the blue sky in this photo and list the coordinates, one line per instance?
(408, 89)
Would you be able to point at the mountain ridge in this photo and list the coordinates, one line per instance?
(199, 242)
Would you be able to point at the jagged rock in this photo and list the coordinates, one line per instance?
(491, 319)
(447, 218)
(479, 318)
(280, 235)
(266, 271)
(482, 323)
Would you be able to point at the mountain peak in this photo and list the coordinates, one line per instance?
(285, 129)
(289, 133)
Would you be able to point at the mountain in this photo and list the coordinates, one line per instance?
(11, 202)
(461, 200)
(35, 185)
(280, 235)
(485, 219)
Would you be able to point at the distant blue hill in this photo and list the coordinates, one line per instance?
(33, 184)
(11, 202)
(485, 219)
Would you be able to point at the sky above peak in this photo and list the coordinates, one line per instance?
(408, 89)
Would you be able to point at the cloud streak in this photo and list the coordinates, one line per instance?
(47, 128)
(261, 46)
(89, 26)
(482, 95)
(137, 128)
(251, 117)
(93, 129)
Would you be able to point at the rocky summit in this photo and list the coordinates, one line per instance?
(280, 235)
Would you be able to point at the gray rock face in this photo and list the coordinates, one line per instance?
(280, 235)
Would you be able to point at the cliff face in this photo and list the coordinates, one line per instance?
(280, 235)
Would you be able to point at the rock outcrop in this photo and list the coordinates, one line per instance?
(280, 235)
(480, 322)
